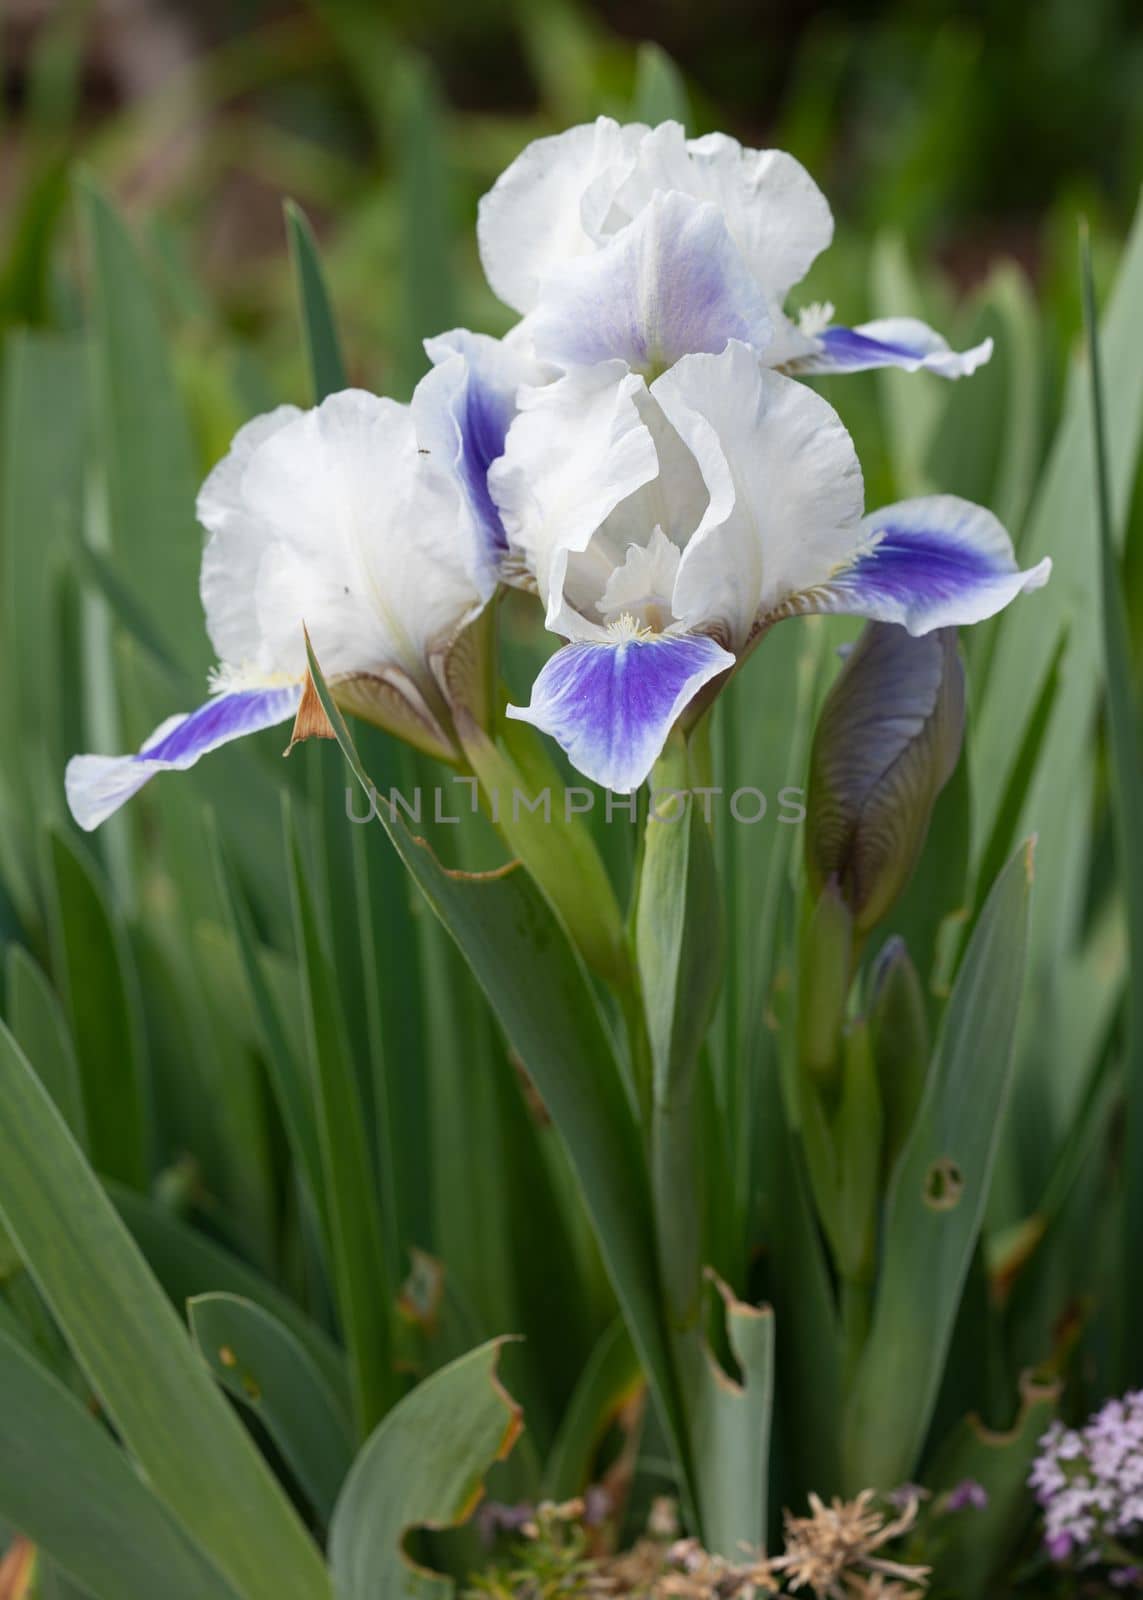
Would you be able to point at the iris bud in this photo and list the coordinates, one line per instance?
(887, 741)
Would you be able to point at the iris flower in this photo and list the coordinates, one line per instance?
(667, 525)
(636, 243)
(368, 522)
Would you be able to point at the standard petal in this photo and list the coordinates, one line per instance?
(935, 562)
(335, 519)
(462, 411)
(890, 342)
(775, 212)
(549, 205)
(238, 541)
(611, 705)
(98, 785)
(670, 283)
(578, 448)
(785, 488)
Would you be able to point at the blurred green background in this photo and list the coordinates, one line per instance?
(976, 130)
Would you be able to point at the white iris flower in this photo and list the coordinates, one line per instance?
(365, 520)
(667, 525)
(640, 244)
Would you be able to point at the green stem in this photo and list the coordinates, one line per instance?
(856, 1315)
(555, 847)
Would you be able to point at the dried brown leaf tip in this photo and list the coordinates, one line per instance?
(835, 1551)
(311, 721)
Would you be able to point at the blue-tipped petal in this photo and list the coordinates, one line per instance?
(890, 342)
(611, 705)
(98, 785)
(935, 562)
(669, 284)
(463, 409)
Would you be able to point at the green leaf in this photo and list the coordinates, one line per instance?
(40, 1028)
(1002, 840)
(1126, 760)
(911, 401)
(678, 953)
(323, 352)
(188, 1264)
(937, 1196)
(540, 993)
(730, 1425)
(973, 1545)
(41, 512)
(356, 1253)
(418, 116)
(1064, 525)
(423, 1466)
(69, 1488)
(123, 1332)
(145, 443)
(259, 1361)
(92, 960)
(25, 275)
(660, 89)
(292, 1088)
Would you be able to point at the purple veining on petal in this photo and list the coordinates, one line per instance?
(922, 568)
(848, 347)
(611, 705)
(486, 415)
(670, 284)
(930, 563)
(98, 785)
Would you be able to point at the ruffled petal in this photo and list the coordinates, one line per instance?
(773, 209)
(670, 283)
(785, 488)
(333, 517)
(98, 785)
(935, 562)
(890, 342)
(550, 204)
(577, 449)
(611, 705)
(238, 541)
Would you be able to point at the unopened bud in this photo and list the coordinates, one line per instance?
(886, 743)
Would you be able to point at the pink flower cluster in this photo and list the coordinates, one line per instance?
(1089, 1482)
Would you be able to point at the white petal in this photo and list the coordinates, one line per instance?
(549, 205)
(889, 342)
(611, 705)
(785, 486)
(335, 519)
(934, 562)
(647, 577)
(238, 541)
(575, 452)
(669, 283)
(775, 212)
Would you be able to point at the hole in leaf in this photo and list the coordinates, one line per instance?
(944, 1185)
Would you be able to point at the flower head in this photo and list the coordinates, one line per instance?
(638, 243)
(1089, 1482)
(666, 526)
(363, 521)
